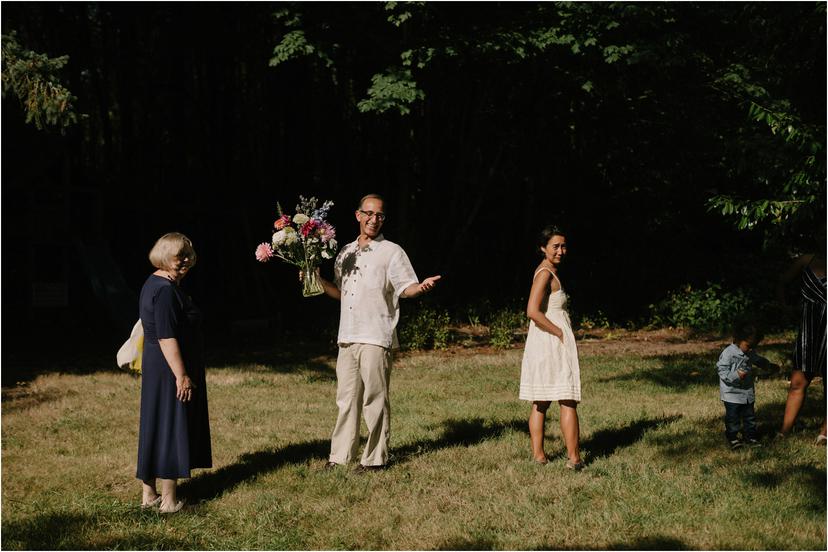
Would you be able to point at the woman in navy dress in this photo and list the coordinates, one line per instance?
(809, 352)
(174, 432)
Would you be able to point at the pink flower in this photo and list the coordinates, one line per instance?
(264, 252)
(309, 227)
(281, 222)
(326, 232)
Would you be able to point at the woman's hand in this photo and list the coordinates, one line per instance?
(184, 388)
(557, 332)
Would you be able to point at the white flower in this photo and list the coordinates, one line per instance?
(300, 218)
(279, 238)
(332, 244)
(291, 237)
(327, 254)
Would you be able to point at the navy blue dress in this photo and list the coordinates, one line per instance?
(173, 436)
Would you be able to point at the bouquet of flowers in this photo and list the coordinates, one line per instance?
(302, 240)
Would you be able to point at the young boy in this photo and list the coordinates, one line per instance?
(736, 384)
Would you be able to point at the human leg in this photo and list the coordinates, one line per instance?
(821, 438)
(169, 504)
(149, 496)
(375, 373)
(796, 396)
(733, 421)
(349, 389)
(748, 414)
(537, 419)
(570, 428)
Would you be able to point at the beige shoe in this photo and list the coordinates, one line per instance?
(173, 509)
(821, 440)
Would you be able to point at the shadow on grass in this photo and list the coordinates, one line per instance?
(654, 542)
(458, 432)
(605, 442)
(287, 358)
(213, 484)
(461, 543)
(61, 531)
(469, 432)
(707, 435)
(806, 476)
(679, 372)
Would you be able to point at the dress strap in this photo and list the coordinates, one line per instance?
(538, 271)
(555, 276)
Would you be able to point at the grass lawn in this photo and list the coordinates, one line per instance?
(658, 473)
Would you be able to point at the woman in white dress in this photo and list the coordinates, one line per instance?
(550, 370)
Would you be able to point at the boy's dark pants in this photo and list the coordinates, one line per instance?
(739, 415)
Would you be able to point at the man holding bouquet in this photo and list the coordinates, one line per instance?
(371, 274)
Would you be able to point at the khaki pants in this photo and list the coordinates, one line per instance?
(362, 376)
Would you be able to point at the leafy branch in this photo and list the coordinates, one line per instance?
(32, 77)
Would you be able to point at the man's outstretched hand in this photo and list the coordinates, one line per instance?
(429, 283)
(423, 287)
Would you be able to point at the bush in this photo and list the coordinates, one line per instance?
(597, 321)
(710, 308)
(425, 327)
(503, 325)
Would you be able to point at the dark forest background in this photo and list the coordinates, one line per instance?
(678, 143)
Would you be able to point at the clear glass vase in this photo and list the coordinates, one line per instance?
(311, 285)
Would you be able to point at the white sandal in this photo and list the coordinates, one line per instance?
(821, 439)
(175, 508)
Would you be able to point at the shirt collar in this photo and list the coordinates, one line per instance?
(379, 239)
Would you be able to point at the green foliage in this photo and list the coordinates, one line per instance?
(400, 12)
(427, 327)
(33, 78)
(783, 179)
(710, 308)
(503, 325)
(395, 89)
(801, 187)
(295, 45)
(597, 321)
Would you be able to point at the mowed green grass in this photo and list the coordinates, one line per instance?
(658, 474)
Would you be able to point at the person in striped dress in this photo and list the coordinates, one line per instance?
(809, 352)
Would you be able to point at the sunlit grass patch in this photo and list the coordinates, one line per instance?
(659, 474)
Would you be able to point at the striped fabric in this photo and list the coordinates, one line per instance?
(809, 354)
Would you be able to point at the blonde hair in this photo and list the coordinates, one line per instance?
(173, 245)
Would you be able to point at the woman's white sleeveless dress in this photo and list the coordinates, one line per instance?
(550, 369)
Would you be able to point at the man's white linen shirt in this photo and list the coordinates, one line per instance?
(371, 280)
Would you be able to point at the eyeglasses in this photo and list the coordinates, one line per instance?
(369, 214)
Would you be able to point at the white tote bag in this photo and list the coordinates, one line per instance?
(129, 355)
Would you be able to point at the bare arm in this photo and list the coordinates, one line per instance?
(172, 354)
(330, 289)
(540, 289)
(415, 290)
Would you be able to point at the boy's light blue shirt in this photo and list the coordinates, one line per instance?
(731, 388)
